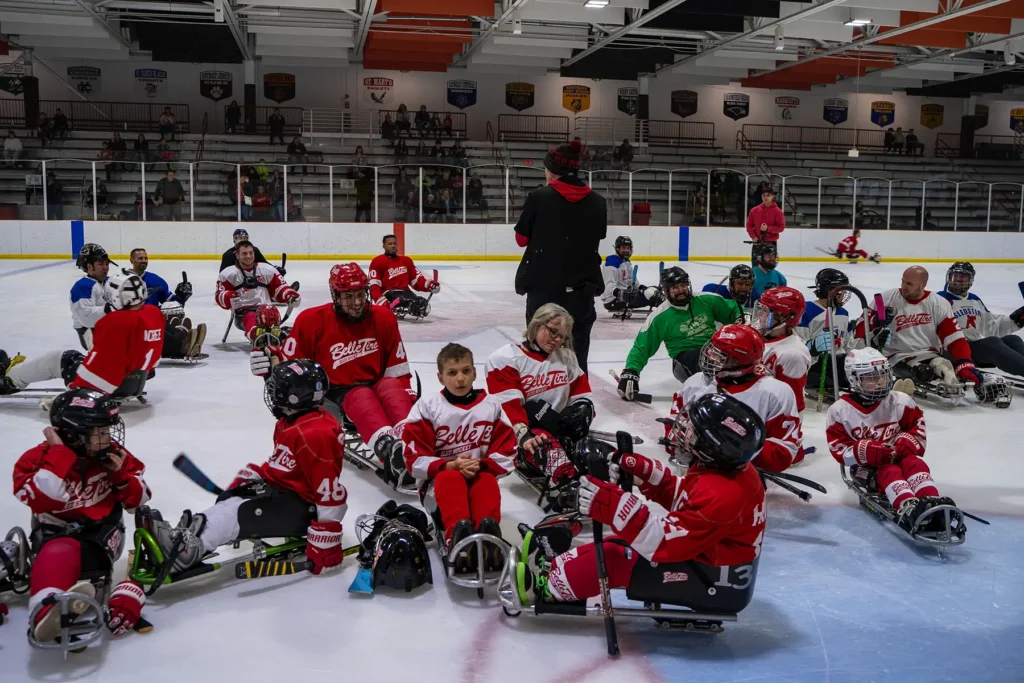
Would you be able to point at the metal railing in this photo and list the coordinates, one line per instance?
(681, 133)
(757, 136)
(675, 196)
(357, 124)
(985, 146)
(292, 119)
(528, 128)
(140, 117)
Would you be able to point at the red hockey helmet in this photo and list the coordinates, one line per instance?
(733, 351)
(778, 306)
(348, 277)
(267, 316)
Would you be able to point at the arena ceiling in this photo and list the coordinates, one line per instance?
(938, 48)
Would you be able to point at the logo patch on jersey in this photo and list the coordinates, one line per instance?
(538, 384)
(734, 426)
(674, 577)
(395, 272)
(282, 459)
(883, 432)
(463, 438)
(153, 335)
(344, 353)
(80, 402)
(97, 488)
(904, 322)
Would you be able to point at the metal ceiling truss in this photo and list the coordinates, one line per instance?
(103, 23)
(510, 9)
(650, 15)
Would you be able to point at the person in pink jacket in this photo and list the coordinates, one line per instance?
(765, 222)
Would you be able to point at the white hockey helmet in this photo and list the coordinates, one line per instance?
(869, 374)
(125, 289)
(172, 309)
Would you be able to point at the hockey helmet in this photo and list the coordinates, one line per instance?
(994, 389)
(91, 253)
(295, 387)
(344, 278)
(766, 255)
(778, 307)
(828, 279)
(734, 351)
(623, 241)
(676, 276)
(76, 412)
(960, 278)
(741, 282)
(869, 374)
(240, 234)
(575, 419)
(125, 289)
(723, 432)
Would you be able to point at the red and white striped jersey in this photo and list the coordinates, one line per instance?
(788, 359)
(123, 342)
(516, 374)
(921, 329)
(849, 423)
(772, 399)
(395, 272)
(233, 294)
(438, 431)
(49, 479)
(847, 245)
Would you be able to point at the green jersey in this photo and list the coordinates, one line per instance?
(681, 328)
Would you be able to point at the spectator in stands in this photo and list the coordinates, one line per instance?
(435, 125)
(12, 149)
(276, 192)
(60, 124)
(421, 152)
(135, 213)
(423, 121)
(276, 124)
(765, 222)
(107, 157)
(262, 172)
(624, 154)
(294, 212)
(140, 149)
(700, 205)
(927, 223)
(407, 208)
(458, 153)
(402, 185)
(359, 159)
(889, 142)
(170, 194)
(899, 143)
(102, 195)
(914, 146)
(44, 129)
(232, 117)
(437, 151)
(163, 151)
(401, 152)
(364, 194)
(446, 206)
(120, 149)
(261, 204)
(402, 121)
(475, 192)
(297, 153)
(387, 129)
(252, 179)
(430, 208)
(447, 126)
(245, 193)
(168, 124)
(54, 188)
(34, 183)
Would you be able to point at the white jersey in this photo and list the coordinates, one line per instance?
(88, 303)
(618, 274)
(516, 374)
(850, 425)
(813, 323)
(788, 360)
(233, 278)
(771, 399)
(974, 318)
(438, 431)
(922, 329)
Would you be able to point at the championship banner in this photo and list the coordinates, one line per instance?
(627, 100)
(11, 79)
(462, 94)
(736, 105)
(883, 113)
(519, 96)
(684, 103)
(932, 115)
(576, 98)
(1017, 120)
(215, 85)
(279, 87)
(785, 106)
(982, 111)
(84, 79)
(152, 82)
(836, 111)
(377, 88)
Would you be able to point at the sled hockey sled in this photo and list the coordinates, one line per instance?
(235, 317)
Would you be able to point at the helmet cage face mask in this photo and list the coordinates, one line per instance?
(873, 382)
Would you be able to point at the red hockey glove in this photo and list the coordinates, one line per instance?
(125, 607)
(642, 468)
(907, 444)
(245, 475)
(966, 371)
(433, 286)
(873, 453)
(323, 545)
(607, 503)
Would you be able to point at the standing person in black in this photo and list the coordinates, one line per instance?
(561, 226)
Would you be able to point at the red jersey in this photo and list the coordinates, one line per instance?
(438, 431)
(363, 352)
(852, 426)
(123, 342)
(772, 217)
(847, 245)
(516, 374)
(49, 480)
(788, 360)
(307, 461)
(233, 293)
(395, 272)
(713, 517)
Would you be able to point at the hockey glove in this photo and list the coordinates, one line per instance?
(629, 384)
(607, 503)
(966, 371)
(183, 292)
(641, 467)
(433, 286)
(906, 445)
(261, 361)
(281, 271)
(125, 607)
(1018, 317)
(820, 344)
(873, 453)
(323, 545)
(246, 475)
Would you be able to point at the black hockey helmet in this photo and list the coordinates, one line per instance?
(764, 249)
(240, 234)
(828, 279)
(960, 288)
(76, 412)
(91, 253)
(724, 433)
(400, 558)
(741, 273)
(623, 241)
(675, 276)
(575, 419)
(295, 387)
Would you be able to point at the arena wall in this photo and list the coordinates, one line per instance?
(474, 242)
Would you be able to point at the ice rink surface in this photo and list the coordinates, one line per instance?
(840, 596)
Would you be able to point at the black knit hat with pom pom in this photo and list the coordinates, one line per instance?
(564, 159)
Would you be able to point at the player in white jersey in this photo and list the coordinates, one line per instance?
(920, 327)
(242, 288)
(992, 337)
(880, 435)
(542, 391)
(816, 335)
(90, 300)
(731, 364)
(619, 289)
(786, 356)
(458, 443)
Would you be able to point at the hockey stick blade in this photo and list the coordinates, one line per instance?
(770, 476)
(258, 569)
(363, 583)
(800, 480)
(184, 464)
(639, 398)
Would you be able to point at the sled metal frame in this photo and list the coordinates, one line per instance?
(231, 318)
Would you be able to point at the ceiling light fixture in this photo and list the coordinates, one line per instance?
(596, 4)
(780, 40)
(857, 22)
(1008, 55)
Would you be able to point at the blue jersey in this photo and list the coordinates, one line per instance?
(720, 290)
(158, 290)
(764, 281)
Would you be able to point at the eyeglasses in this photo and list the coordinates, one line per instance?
(556, 335)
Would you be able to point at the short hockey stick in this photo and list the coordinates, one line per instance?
(1020, 286)
(599, 468)
(799, 480)
(770, 476)
(258, 569)
(977, 518)
(184, 464)
(639, 398)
